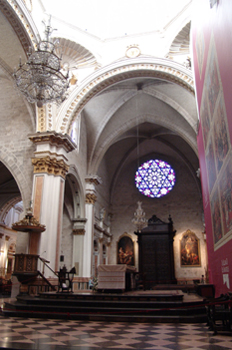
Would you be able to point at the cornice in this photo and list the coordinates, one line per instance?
(54, 139)
(93, 179)
(79, 226)
(78, 232)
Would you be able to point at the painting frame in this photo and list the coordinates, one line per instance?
(190, 250)
(125, 250)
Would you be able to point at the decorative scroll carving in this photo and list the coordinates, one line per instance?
(49, 116)
(50, 166)
(41, 113)
(133, 51)
(25, 263)
(28, 224)
(90, 198)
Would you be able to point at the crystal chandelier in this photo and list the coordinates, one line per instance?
(139, 219)
(40, 79)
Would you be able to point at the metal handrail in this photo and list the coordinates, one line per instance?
(44, 261)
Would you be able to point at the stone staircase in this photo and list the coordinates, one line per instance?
(144, 306)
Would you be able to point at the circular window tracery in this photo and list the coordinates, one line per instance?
(155, 178)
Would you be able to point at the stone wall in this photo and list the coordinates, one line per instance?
(16, 149)
(183, 203)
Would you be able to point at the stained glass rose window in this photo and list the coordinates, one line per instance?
(155, 178)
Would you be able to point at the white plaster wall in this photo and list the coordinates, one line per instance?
(78, 158)
(102, 190)
(16, 150)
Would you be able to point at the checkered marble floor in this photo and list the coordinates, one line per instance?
(50, 334)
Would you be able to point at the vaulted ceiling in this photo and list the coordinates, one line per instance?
(131, 119)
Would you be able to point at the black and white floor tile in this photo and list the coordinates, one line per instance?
(50, 334)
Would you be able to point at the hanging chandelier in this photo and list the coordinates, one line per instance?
(139, 219)
(40, 79)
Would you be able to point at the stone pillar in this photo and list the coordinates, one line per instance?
(100, 240)
(91, 182)
(50, 169)
(78, 241)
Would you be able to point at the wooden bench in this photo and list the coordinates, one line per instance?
(219, 313)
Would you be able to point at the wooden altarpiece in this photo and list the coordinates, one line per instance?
(156, 258)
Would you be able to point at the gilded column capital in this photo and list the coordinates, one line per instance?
(51, 166)
(90, 198)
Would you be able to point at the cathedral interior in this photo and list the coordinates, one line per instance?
(140, 129)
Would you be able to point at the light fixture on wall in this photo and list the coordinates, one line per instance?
(41, 79)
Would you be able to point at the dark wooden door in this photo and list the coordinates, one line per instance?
(156, 260)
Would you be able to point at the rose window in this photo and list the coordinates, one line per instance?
(155, 178)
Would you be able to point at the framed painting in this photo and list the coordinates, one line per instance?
(190, 250)
(125, 251)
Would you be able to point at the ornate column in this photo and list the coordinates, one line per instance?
(50, 169)
(90, 199)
